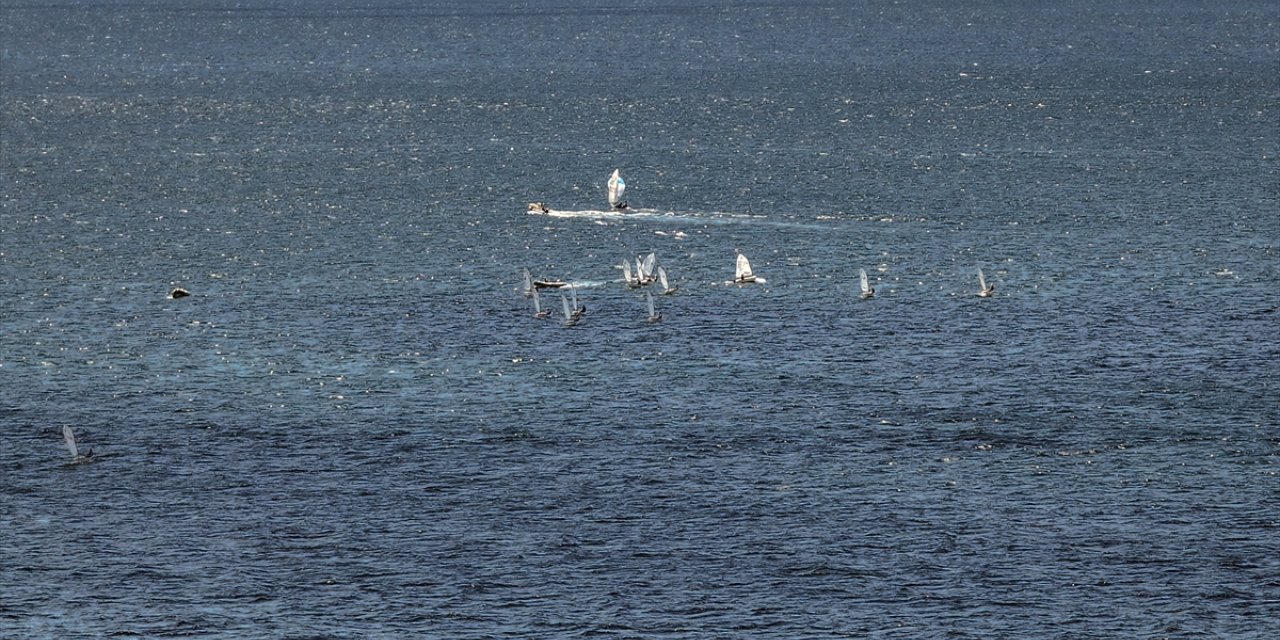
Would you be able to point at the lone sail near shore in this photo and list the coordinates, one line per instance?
(617, 186)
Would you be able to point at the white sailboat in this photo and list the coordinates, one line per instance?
(667, 289)
(529, 289)
(630, 280)
(742, 272)
(538, 311)
(654, 316)
(985, 290)
(70, 439)
(569, 319)
(617, 186)
(867, 289)
(644, 268)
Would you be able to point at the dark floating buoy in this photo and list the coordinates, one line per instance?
(179, 293)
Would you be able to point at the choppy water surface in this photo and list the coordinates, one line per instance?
(354, 427)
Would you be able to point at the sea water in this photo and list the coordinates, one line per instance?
(355, 427)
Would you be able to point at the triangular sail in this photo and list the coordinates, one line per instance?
(616, 188)
(626, 271)
(982, 280)
(537, 302)
(568, 312)
(743, 269)
(646, 267)
(662, 279)
(862, 278)
(528, 283)
(573, 292)
(70, 439)
(648, 298)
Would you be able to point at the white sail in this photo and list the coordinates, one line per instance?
(529, 289)
(646, 266)
(617, 186)
(626, 272)
(743, 269)
(987, 289)
(662, 279)
(537, 302)
(865, 285)
(568, 312)
(653, 313)
(573, 293)
(70, 439)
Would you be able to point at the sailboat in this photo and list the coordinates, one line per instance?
(742, 272)
(662, 280)
(654, 316)
(572, 312)
(644, 268)
(70, 438)
(867, 289)
(986, 290)
(631, 281)
(617, 186)
(538, 311)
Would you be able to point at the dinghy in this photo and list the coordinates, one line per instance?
(867, 289)
(662, 280)
(631, 281)
(538, 311)
(538, 207)
(616, 186)
(742, 272)
(644, 269)
(530, 284)
(654, 316)
(70, 438)
(985, 290)
(572, 312)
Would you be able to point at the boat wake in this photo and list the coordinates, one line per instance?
(658, 215)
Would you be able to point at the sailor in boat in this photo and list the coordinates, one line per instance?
(538, 311)
(867, 290)
(742, 271)
(538, 207)
(620, 205)
(179, 293)
(985, 290)
(654, 316)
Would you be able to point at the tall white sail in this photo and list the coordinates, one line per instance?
(70, 439)
(616, 188)
(743, 269)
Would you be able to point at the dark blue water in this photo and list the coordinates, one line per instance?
(354, 427)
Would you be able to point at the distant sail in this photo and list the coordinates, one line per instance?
(662, 280)
(653, 314)
(529, 289)
(617, 186)
(987, 290)
(645, 267)
(70, 439)
(742, 271)
(867, 291)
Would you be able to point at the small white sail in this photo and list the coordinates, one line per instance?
(573, 293)
(70, 439)
(568, 312)
(742, 271)
(646, 267)
(987, 290)
(626, 272)
(617, 186)
(867, 291)
(537, 305)
(529, 289)
(662, 280)
(653, 314)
